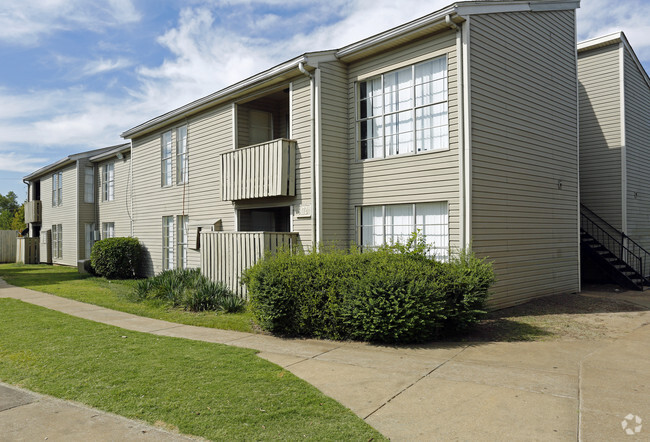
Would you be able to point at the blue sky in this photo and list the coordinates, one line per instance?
(77, 73)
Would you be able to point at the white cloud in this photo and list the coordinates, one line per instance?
(102, 66)
(25, 22)
(20, 162)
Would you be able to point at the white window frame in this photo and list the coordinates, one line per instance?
(57, 189)
(166, 152)
(182, 226)
(167, 242)
(182, 155)
(89, 233)
(439, 251)
(89, 184)
(57, 241)
(108, 182)
(415, 147)
(108, 230)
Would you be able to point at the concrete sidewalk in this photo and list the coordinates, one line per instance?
(560, 390)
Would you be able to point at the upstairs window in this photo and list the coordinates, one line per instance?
(57, 189)
(404, 111)
(166, 159)
(89, 184)
(108, 182)
(182, 158)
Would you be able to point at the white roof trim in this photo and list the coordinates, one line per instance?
(477, 8)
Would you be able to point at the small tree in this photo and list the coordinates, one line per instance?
(18, 221)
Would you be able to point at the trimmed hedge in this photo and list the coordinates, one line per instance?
(394, 295)
(116, 258)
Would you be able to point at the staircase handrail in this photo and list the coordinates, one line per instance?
(622, 234)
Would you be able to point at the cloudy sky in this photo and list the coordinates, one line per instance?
(74, 74)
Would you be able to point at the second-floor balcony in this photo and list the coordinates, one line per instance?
(259, 171)
(33, 211)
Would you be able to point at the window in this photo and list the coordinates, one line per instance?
(89, 233)
(168, 242)
(57, 241)
(108, 230)
(404, 111)
(181, 223)
(108, 182)
(395, 223)
(57, 189)
(182, 159)
(89, 184)
(166, 159)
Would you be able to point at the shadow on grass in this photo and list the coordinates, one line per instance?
(39, 274)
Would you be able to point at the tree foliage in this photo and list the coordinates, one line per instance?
(12, 215)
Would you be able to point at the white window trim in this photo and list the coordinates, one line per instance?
(57, 189)
(182, 158)
(108, 230)
(167, 242)
(182, 224)
(108, 182)
(359, 224)
(358, 119)
(166, 159)
(89, 188)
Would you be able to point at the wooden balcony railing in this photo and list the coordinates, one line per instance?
(259, 171)
(33, 211)
(225, 255)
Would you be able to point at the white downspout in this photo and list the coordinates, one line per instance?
(314, 154)
(131, 215)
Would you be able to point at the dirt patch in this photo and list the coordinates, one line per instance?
(596, 316)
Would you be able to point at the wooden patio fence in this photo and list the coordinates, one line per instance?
(8, 245)
(27, 250)
(225, 255)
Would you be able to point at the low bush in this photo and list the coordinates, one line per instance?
(395, 294)
(188, 289)
(116, 258)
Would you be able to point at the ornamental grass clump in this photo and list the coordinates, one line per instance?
(188, 289)
(396, 294)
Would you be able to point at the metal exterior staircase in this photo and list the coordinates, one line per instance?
(619, 255)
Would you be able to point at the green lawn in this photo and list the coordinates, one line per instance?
(204, 389)
(68, 283)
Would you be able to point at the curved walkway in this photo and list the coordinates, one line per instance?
(559, 390)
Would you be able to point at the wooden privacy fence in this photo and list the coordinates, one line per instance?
(27, 250)
(8, 245)
(225, 255)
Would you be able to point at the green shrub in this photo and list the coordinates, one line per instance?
(116, 258)
(395, 294)
(188, 289)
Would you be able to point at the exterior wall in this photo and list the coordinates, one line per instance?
(600, 132)
(118, 210)
(637, 148)
(524, 153)
(65, 214)
(335, 173)
(410, 178)
(209, 134)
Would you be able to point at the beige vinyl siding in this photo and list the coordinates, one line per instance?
(65, 214)
(637, 147)
(600, 132)
(87, 212)
(334, 153)
(424, 177)
(523, 146)
(209, 134)
(116, 211)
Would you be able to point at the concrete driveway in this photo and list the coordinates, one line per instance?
(554, 390)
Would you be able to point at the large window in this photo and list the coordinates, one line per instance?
(89, 184)
(182, 158)
(168, 242)
(57, 188)
(181, 224)
(391, 224)
(404, 111)
(108, 182)
(57, 241)
(166, 159)
(108, 230)
(89, 231)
